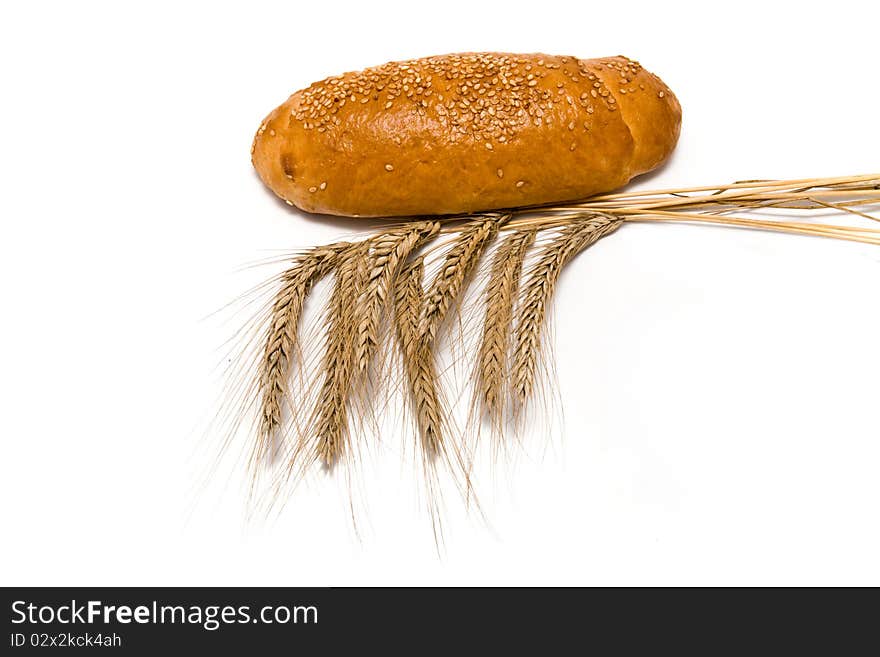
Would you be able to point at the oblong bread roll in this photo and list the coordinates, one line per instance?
(466, 132)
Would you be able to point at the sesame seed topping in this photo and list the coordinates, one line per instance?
(312, 190)
(389, 167)
(661, 94)
(520, 183)
(500, 173)
(484, 97)
(323, 185)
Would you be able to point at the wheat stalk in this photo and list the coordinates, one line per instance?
(501, 290)
(389, 250)
(379, 279)
(281, 345)
(539, 290)
(459, 262)
(715, 205)
(332, 419)
(418, 359)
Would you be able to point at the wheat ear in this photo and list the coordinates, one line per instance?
(331, 425)
(501, 288)
(539, 290)
(460, 261)
(418, 360)
(387, 254)
(281, 344)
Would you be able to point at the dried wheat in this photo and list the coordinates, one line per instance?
(332, 407)
(380, 279)
(539, 290)
(281, 344)
(388, 252)
(460, 261)
(500, 294)
(418, 359)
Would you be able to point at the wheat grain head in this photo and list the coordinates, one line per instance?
(460, 261)
(500, 294)
(281, 344)
(331, 423)
(388, 251)
(538, 292)
(418, 359)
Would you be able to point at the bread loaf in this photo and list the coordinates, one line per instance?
(466, 132)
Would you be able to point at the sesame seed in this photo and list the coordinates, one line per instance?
(312, 190)
(573, 146)
(389, 167)
(271, 133)
(488, 96)
(323, 185)
(500, 173)
(661, 94)
(520, 183)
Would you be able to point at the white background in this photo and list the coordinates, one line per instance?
(720, 386)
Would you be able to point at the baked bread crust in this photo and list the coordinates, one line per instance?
(466, 132)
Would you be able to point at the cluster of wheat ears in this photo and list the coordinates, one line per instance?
(384, 312)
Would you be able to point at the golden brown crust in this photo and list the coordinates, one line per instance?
(464, 133)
